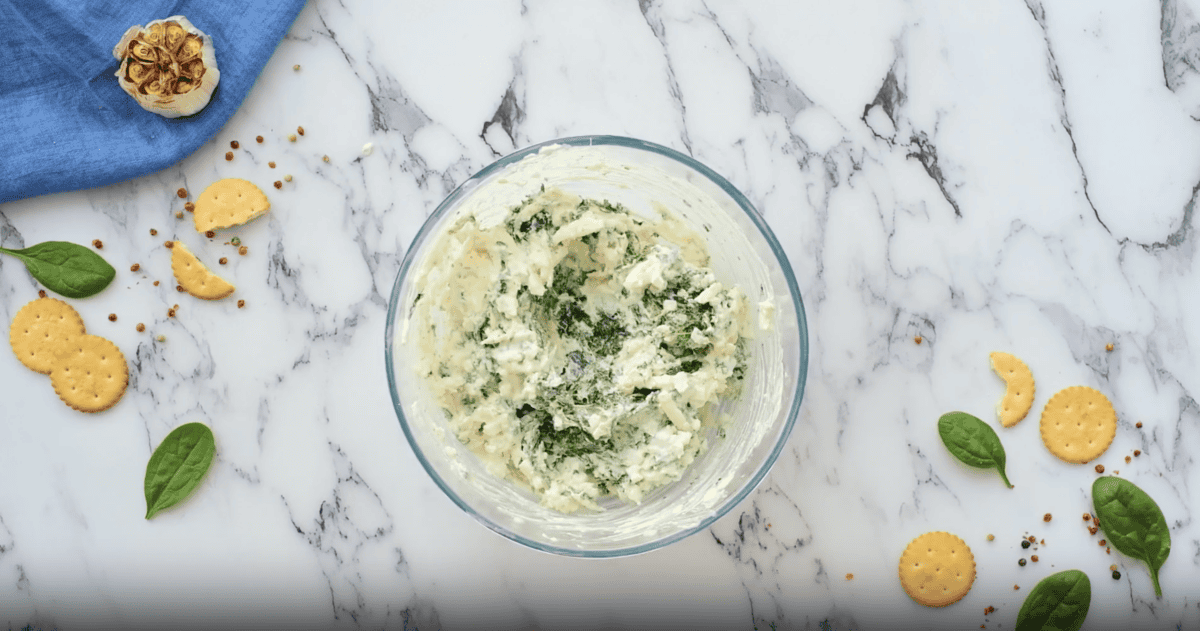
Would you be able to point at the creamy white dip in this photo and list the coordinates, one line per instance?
(576, 348)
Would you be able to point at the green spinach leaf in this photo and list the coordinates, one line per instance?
(177, 466)
(66, 268)
(973, 442)
(1132, 523)
(1058, 603)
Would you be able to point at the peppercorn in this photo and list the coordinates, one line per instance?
(1137, 452)
(210, 234)
(1092, 530)
(234, 144)
(223, 260)
(1046, 517)
(1024, 544)
(300, 130)
(278, 184)
(169, 244)
(182, 193)
(259, 139)
(241, 303)
(1099, 468)
(140, 327)
(228, 156)
(96, 243)
(156, 283)
(179, 288)
(1128, 459)
(190, 207)
(243, 250)
(1116, 575)
(41, 293)
(112, 317)
(1021, 562)
(271, 164)
(170, 313)
(135, 267)
(1138, 425)
(1087, 517)
(153, 232)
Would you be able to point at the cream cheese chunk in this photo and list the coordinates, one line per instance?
(578, 349)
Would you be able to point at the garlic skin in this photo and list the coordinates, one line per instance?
(168, 66)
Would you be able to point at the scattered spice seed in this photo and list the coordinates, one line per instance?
(991, 537)
(1025, 544)
(1103, 542)
(1099, 468)
(259, 139)
(291, 137)
(1137, 452)
(179, 214)
(278, 184)
(1116, 472)
(161, 338)
(234, 144)
(236, 241)
(153, 232)
(135, 267)
(96, 243)
(849, 576)
(325, 158)
(112, 317)
(223, 260)
(243, 250)
(1016, 587)
(228, 156)
(210, 234)
(990, 609)
(1046, 517)
(1033, 558)
(1116, 575)
(156, 283)
(41, 293)
(918, 339)
(170, 313)
(190, 207)
(1109, 347)
(179, 288)
(287, 178)
(176, 307)
(241, 303)
(1108, 551)
(1138, 425)
(300, 130)
(1087, 517)
(182, 193)
(1021, 562)
(296, 67)
(1032, 539)
(271, 164)
(1112, 568)
(1128, 459)
(1092, 530)
(1043, 542)
(140, 327)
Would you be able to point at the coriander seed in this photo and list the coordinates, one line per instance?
(135, 267)
(241, 303)
(223, 260)
(228, 156)
(243, 250)
(1046, 517)
(140, 327)
(210, 234)
(271, 164)
(41, 293)
(234, 144)
(190, 207)
(1033, 558)
(1099, 468)
(182, 193)
(112, 317)
(259, 139)
(179, 288)
(278, 184)
(97, 243)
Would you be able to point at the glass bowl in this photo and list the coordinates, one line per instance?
(744, 252)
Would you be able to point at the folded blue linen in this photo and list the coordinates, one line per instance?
(65, 123)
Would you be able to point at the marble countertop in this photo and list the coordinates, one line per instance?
(1010, 175)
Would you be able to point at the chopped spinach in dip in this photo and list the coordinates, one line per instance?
(578, 349)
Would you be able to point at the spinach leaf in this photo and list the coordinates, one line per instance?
(1058, 603)
(66, 268)
(1132, 522)
(973, 442)
(177, 466)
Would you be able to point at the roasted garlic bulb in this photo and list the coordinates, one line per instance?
(169, 66)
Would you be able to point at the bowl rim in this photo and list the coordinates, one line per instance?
(755, 217)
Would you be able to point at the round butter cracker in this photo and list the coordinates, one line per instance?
(937, 569)
(1078, 424)
(90, 374)
(195, 277)
(41, 328)
(1019, 390)
(228, 202)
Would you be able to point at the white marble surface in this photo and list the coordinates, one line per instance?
(990, 175)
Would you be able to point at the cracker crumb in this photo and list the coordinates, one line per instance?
(228, 156)
(182, 193)
(849, 576)
(98, 244)
(223, 260)
(271, 164)
(1109, 347)
(1099, 468)
(234, 144)
(241, 303)
(278, 184)
(243, 250)
(300, 130)
(41, 293)
(153, 232)
(287, 178)
(135, 267)
(258, 139)
(291, 137)
(190, 207)
(918, 339)
(112, 317)
(140, 327)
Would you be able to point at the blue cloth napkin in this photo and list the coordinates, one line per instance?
(65, 123)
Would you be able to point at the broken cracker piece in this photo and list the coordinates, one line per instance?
(1020, 389)
(194, 277)
(228, 202)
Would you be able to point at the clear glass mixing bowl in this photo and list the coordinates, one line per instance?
(743, 252)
